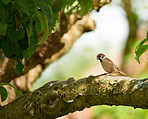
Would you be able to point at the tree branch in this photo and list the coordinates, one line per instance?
(70, 29)
(59, 98)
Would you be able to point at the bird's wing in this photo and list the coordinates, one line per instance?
(114, 66)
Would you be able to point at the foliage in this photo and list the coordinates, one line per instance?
(22, 20)
(114, 112)
(4, 93)
(141, 48)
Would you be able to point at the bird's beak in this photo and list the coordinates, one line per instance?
(97, 58)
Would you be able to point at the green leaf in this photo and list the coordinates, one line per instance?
(18, 19)
(14, 34)
(4, 12)
(3, 93)
(3, 28)
(47, 11)
(33, 44)
(13, 43)
(27, 6)
(19, 67)
(140, 49)
(29, 33)
(39, 15)
(48, 2)
(85, 6)
(37, 25)
(71, 8)
(55, 22)
(6, 1)
(57, 5)
(19, 93)
(33, 41)
(23, 43)
(44, 26)
(8, 47)
(0, 42)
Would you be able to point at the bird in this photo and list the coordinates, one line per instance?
(108, 65)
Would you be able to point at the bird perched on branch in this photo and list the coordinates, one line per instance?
(108, 65)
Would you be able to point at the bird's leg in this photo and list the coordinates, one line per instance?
(109, 74)
(105, 74)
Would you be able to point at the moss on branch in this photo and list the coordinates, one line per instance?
(58, 98)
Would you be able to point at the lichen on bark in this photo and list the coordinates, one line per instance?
(58, 98)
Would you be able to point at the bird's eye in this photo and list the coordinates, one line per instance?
(102, 56)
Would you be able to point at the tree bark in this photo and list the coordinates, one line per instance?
(58, 98)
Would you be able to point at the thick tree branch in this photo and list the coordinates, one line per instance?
(58, 98)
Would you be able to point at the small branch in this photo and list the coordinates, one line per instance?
(59, 98)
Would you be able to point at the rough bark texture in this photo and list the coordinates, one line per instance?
(58, 98)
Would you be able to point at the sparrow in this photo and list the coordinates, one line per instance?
(108, 65)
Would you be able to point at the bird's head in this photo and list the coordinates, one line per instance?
(100, 56)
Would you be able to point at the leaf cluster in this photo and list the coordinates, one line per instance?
(22, 20)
